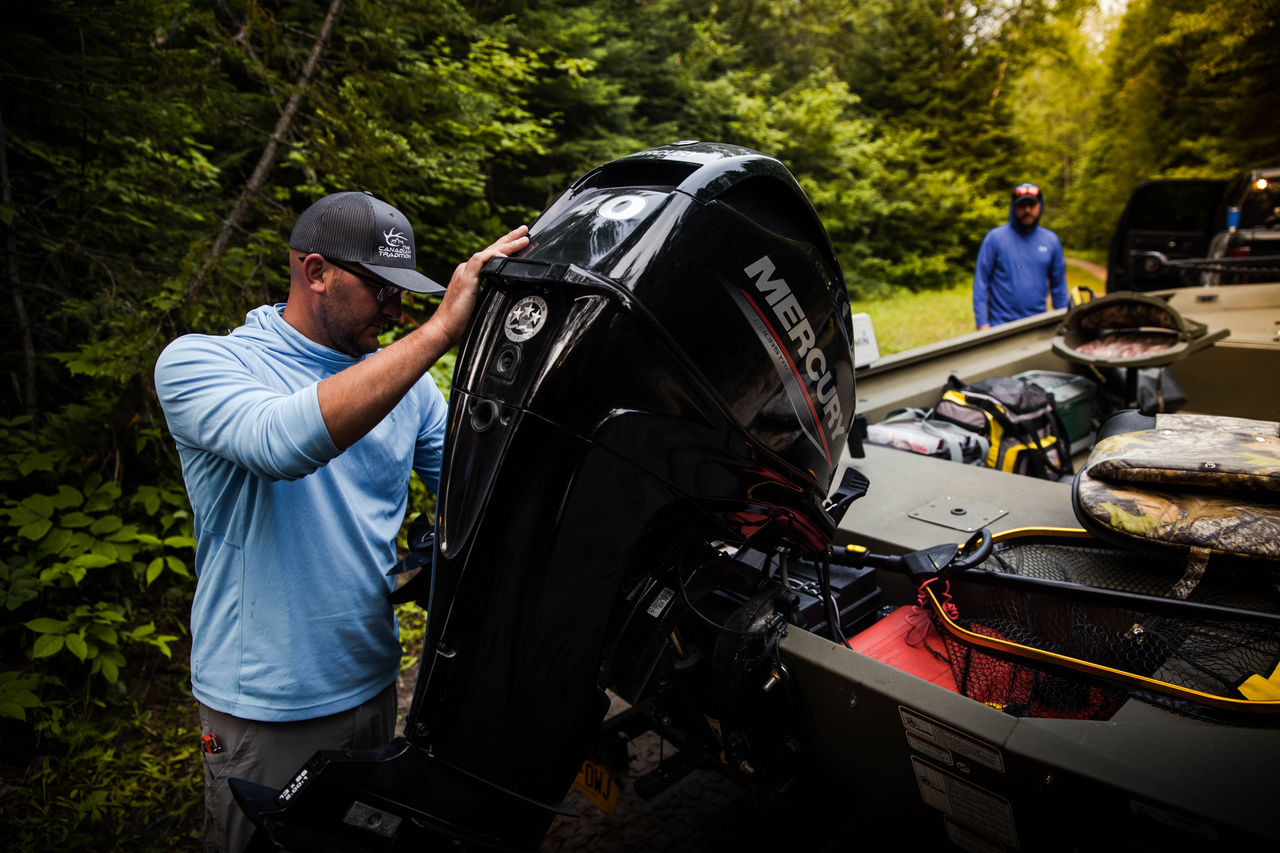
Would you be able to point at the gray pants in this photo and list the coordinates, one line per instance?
(271, 753)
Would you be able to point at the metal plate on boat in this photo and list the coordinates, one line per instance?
(959, 513)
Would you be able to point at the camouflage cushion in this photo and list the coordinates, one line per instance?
(1194, 481)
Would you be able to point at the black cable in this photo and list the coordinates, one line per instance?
(829, 602)
(767, 628)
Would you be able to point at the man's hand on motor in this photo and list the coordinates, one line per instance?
(354, 400)
(460, 296)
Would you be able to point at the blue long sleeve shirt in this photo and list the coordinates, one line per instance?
(290, 618)
(1015, 272)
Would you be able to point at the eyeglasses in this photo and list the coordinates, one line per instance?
(1026, 190)
(384, 291)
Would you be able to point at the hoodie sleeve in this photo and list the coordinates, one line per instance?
(982, 280)
(1058, 275)
(213, 403)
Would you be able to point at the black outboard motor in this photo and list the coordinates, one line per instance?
(663, 374)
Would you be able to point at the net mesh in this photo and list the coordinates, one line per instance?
(1211, 651)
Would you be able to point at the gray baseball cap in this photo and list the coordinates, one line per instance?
(358, 229)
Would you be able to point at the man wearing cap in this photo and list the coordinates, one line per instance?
(297, 435)
(1019, 263)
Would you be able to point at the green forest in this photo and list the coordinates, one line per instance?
(155, 153)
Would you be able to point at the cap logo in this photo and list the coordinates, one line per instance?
(397, 245)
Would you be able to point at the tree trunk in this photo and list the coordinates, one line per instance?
(268, 157)
(995, 93)
(14, 286)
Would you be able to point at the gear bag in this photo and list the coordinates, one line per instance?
(1017, 418)
(917, 431)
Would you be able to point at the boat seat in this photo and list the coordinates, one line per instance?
(1127, 329)
(1203, 483)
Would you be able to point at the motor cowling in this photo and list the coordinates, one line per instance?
(669, 359)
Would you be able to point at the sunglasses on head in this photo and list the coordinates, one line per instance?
(1027, 190)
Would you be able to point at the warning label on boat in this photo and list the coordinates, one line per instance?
(971, 806)
(945, 744)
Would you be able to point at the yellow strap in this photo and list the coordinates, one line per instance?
(1015, 450)
(1260, 689)
(994, 431)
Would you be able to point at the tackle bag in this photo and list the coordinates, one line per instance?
(915, 430)
(1025, 435)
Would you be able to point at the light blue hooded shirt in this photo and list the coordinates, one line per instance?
(290, 619)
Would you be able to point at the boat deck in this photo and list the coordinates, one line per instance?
(917, 753)
(916, 501)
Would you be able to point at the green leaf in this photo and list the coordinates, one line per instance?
(56, 541)
(22, 698)
(22, 588)
(37, 462)
(50, 575)
(110, 671)
(47, 644)
(76, 519)
(67, 497)
(154, 568)
(35, 530)
(93, 561)
(21, 515)
(45, 625)
(77, 646)
(106, 524)
(103, 497)
(109, 613)
(39, 505)
(152, 501)
(12, 710)
(127, 533)
(177, 566)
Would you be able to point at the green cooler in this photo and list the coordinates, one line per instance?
(1073, 398)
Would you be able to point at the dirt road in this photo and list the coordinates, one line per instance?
(1097, 271)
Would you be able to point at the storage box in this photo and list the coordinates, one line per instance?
(1073, 398)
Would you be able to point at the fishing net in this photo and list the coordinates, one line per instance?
(1074, 629)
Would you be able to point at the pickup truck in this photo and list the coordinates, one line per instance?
(1233, 223)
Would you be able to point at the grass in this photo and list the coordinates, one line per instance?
(907, 320)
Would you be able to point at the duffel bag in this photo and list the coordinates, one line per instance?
(917, 431)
